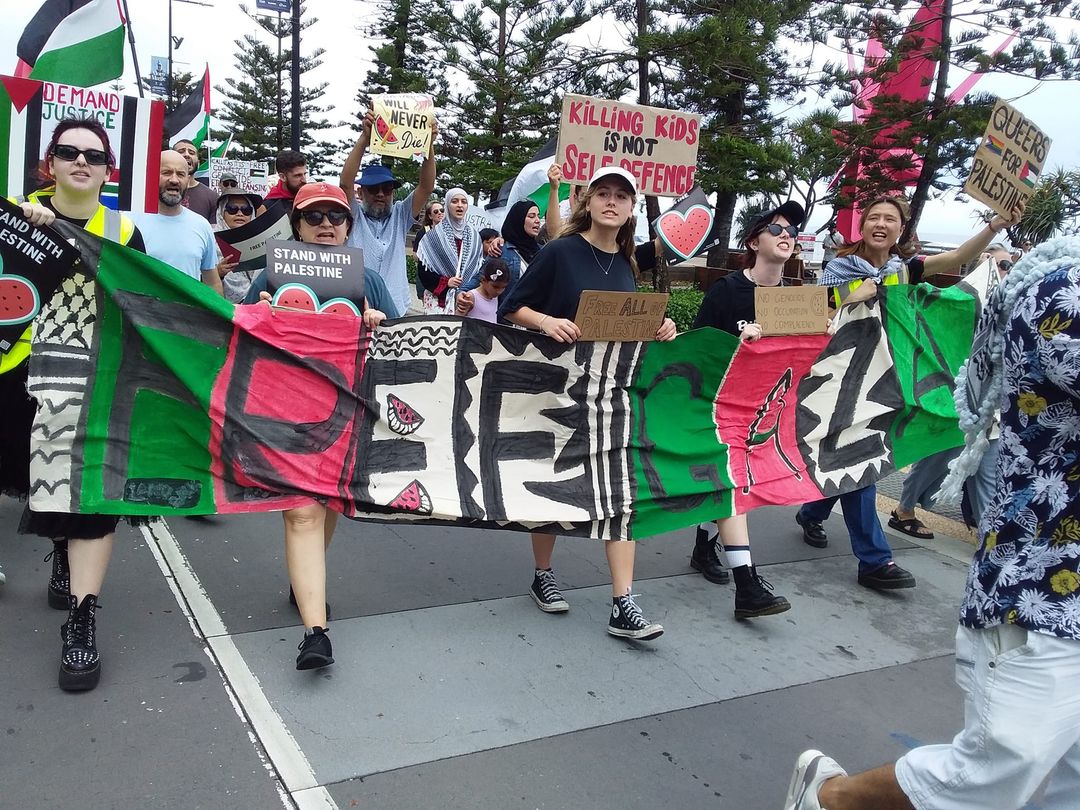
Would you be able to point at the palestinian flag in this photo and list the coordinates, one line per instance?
(191, 120)
(246, 245)
(79, 42)
(532, 182)
(29, 111)
(218, 151)
(1029, 175)
(460, 421)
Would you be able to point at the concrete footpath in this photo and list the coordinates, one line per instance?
(451, 690)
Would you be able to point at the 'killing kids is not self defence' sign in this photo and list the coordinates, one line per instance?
(402, 125)
(1008, 161)
(659, 147)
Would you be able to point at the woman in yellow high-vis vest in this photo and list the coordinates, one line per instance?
(78, 161)
(878, 258)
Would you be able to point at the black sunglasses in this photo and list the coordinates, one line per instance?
(435, 211)
(233, 208)
(1004, 265)
(68, 153)
(776, 230)
(314, 218)
(382, 188)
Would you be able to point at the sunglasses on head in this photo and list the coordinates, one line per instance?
(316, 217)
(233, 208)
(95, 157)
(776, 230)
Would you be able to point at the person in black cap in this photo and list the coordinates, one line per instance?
(729, 305)
(382, 224)
(227, 180)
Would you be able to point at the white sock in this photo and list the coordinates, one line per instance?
(736, 556)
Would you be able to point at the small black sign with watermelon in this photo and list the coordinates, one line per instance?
(317, 278)
(33, 262)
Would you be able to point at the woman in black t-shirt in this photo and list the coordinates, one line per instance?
(594, 252)
(729, 305)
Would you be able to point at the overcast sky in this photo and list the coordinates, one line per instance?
(209, 32)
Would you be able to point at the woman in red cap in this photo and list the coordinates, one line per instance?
(321, 215)
(595, 251)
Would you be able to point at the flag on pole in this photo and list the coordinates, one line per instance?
(191, 120)
(218, 151)
(532, 181)
(79, 42)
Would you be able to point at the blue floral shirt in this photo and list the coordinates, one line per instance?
(1027, 568)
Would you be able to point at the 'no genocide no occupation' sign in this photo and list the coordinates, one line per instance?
(659, 147)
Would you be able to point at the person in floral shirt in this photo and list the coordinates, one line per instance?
(1018, 644)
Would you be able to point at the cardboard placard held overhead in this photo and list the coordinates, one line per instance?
(792, 310)
(620, 316)
(659, 147)
(1009, 160)
(251, 175)
(317, 278)
(402, 125)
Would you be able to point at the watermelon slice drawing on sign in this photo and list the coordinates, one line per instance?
(19, 300)
(296, 296)
(685, 233)
(400, 417)
(383, 130)
(414, 498)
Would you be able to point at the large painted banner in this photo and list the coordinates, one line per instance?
(159, 397)
(30, 111)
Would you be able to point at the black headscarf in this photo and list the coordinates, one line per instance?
(513, 229)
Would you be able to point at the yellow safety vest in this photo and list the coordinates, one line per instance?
(105, 223)
(890, 280)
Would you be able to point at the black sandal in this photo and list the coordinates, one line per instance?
(910, 527)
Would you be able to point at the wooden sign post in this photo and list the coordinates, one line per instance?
(1008, 161)
(620, 316)
(792, 310)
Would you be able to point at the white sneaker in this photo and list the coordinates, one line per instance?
(3, 579)
(811, 770)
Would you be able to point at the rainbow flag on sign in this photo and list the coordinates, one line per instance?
(995, 145)
(1029, 175)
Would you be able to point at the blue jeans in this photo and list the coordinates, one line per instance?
(868, 541)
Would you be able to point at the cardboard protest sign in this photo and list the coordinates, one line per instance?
(251, 175)
(33, 261)
(620, 316)
(316, 278)
(1008, 161)
(402, 125)
(792, 310)
(29, 112)
(659, 147)
(689, 228)
(246, 245)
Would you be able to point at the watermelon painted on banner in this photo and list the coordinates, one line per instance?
(29, 112)
(460, 421)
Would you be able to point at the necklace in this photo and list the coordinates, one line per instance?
(597, 260)
(750, 275)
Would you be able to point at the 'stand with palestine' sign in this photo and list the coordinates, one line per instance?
(1009, 160)
(620, 316)
(317, 278)
(792, 310)
(659, 147)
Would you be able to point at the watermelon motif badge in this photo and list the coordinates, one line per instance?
(414, 498)
(400, 417)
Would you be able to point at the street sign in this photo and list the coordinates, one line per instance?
(280, 6)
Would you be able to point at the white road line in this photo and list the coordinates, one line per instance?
(267, 730)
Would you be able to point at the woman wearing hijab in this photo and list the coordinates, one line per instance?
(236, 208)
(451, 252)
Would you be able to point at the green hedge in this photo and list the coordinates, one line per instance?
(410, 268)
(682, 306)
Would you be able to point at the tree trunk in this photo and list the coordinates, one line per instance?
(725, 212)
(661, 280)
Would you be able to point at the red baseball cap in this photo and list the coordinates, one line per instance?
(312, 193)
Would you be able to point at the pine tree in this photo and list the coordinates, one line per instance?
(507, 62)
(256, 109)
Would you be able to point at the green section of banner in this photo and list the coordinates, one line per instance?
(687, 481)
(930, 332)
(84, 64)
(5, 135)
(157, 419)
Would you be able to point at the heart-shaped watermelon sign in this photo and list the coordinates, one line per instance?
(685, 231)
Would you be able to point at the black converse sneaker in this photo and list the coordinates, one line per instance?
(315, 650)
(545, 592)
(60, 579)
(80, 664)
(627, 622)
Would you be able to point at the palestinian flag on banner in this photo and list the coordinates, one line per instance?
(246, 245)
(79, 42)
(29, 112)
(191, 120)
(531, 182)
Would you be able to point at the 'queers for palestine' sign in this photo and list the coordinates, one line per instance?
(316, 278)
(659, 147)
(1009, 160)
(402, 125)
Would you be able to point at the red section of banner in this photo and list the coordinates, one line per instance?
(307, 409)
(755, 416)
(153, 160)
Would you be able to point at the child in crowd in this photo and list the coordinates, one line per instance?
(483, 302)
